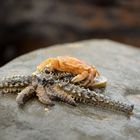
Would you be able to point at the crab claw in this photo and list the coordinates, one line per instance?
(99, 82)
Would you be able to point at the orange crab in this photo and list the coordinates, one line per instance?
(73, 65)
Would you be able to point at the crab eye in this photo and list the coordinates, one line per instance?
(46, 70)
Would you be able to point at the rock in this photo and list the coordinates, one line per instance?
(119, 63)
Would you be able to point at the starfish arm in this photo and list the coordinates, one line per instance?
(42, 96)
(63, 96)
(25, 95)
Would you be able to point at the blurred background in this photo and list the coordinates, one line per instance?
(26, 25)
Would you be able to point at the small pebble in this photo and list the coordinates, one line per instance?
(46, 109)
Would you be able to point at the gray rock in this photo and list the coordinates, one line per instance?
(119, 63)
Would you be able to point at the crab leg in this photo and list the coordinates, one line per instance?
(90, 78)
(80, 77)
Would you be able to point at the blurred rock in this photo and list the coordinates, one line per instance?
(118, 62)
(27, 25)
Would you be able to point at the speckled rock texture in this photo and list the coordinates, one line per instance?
(119, 63)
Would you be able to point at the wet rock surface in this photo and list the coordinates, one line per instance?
(118, 62)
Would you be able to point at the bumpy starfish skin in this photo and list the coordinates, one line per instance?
(62, 89)
(48, 86)
(87, 96)
(14, 83)
(25, 95)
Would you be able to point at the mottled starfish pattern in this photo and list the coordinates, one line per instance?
(49, 86)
